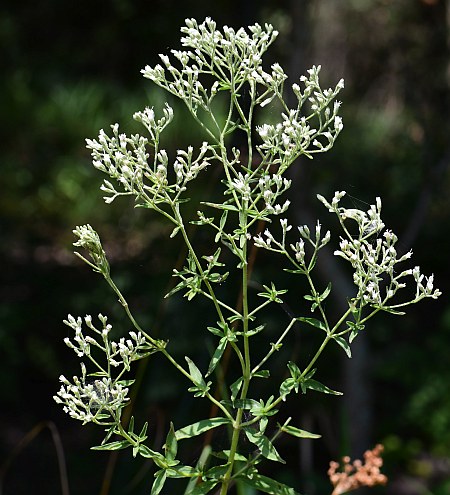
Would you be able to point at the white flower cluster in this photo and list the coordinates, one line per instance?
(117, 353)
(230, 55)
(84, 398)
(374, 258)
(91, 400)
(318, 242)
(269, 242)
(295, 135)
(125, 159)
(187, 168)
(271, 187)
(89, 239)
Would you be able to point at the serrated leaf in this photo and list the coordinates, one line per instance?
(344, 344)
(195, 373)
(217, 355)
(296, 432)
(314, 322)
(319, 387)
(199, 427)
(158, 484)
(264, 445)
(121, 444)
(267, 485)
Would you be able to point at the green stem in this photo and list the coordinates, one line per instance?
(247, 362)
(274, 346)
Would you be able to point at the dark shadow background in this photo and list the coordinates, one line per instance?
(70, 68)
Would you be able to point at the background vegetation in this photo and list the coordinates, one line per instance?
(70, 68)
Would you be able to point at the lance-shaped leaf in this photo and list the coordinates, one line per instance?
(171, 445)
(314, 322)
(296, 432)
(344, 344)
(158, 484)
(121, 444)
(267, 485)
(200, 427)
(217, 355)
(264, 445)
(235, 387)
(195, 373)
(319, 387)
(203, 488)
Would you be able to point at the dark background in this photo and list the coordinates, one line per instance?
(70, 68)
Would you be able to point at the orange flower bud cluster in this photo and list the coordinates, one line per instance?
(355, 475)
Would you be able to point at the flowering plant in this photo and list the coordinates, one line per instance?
(227, 65)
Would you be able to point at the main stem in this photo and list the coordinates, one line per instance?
(247, 363)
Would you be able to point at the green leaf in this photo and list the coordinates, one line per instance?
(235, 387)
(199, 427)
(344, 344)
(182, 472)
(98, 373)
(296, 432)
(203, 488)
(121, 444)
(241, 403)
(160, 479)
(216, 331)
(126, 383)
(287, 386)
(325, 293)
(171, 445)
(217, 355)
(264, 445)
(390, 310)
(195, 373)
(256, 330)
(149, 453)
(314, 322)
(267, 485)
(220, 206)
(217, 472)
(294, 370)
(261, 374)
(319, 387)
